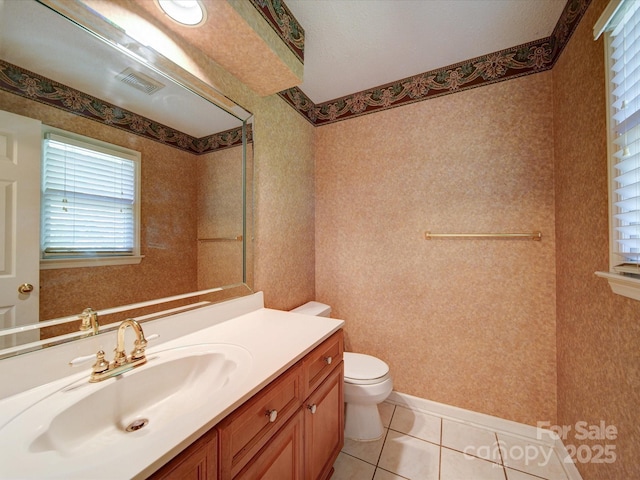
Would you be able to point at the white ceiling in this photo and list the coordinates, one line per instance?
(355, 45)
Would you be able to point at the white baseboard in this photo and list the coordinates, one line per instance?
(496, 424)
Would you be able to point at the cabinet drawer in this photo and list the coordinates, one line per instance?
(245, 431)
(321, 361)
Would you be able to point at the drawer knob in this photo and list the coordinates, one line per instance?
(272, 414)
(312, 408)
(328, 360)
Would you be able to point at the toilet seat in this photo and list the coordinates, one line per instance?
(362, 369)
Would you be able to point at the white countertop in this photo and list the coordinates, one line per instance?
(276, 340)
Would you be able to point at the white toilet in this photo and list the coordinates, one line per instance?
(367, 382)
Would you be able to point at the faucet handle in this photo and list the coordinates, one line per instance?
(139, 347)
(101, 364)
(89, 319)
(82, 360)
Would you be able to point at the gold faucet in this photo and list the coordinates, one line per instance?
(121, 363)
(89, 319)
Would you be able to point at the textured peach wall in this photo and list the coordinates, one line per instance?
(283, 195)
(284, 265)
(467, 322)
(598, 332)
(220, 199)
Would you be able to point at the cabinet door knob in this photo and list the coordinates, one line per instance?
(328, 360)
(312, 408)
(272, 414)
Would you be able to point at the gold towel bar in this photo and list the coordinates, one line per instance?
(533, 236)
(221, 239)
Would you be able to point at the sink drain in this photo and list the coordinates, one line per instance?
(137, 424)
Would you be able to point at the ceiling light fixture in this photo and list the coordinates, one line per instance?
(185, 12)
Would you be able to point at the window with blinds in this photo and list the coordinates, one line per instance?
(620, 22)
(625, 111)
(89, 199)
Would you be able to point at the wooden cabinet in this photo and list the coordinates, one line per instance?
(293, 429)
(247, 430)
(324, 426)
(197, 462)
(249, 445)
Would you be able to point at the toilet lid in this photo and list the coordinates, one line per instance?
(359, 367)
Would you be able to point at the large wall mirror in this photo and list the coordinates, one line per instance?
(196, 150)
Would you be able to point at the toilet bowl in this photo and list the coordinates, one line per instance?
(367, 382)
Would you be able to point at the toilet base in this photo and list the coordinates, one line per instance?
(362, 422)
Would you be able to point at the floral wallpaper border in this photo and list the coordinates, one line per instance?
(276, 13)
(27, 84)
(533, 57)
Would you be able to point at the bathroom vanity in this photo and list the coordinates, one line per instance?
(293, 428)
(234, 390)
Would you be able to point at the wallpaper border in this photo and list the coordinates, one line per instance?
(280, 18)
(24, 83)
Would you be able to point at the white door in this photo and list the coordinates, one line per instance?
(20, 145)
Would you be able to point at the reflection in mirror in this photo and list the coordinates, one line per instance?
(196, 163)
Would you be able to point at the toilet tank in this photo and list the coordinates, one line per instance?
(314, 308)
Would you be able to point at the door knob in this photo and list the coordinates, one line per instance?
(25, 288)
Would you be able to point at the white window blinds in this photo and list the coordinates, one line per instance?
(624, 76)
(88, 200)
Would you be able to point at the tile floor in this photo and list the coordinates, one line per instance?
(421, 446)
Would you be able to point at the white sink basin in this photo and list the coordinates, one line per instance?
(61, 431)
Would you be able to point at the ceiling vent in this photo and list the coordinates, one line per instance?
(140, 81)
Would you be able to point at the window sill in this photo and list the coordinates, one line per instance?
(622, 284)
(53, 263)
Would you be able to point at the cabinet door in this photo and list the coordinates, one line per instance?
(247, 430)
(198, 462)
(324, 426)
(282, 457)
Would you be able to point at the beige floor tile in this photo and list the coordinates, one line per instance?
(458, 466)
(531, 457)
(517, 475)
(367, 451)
(347, 467)
(386, 412)
(472, 440)
(410, 457)
(384, 475)
(410, 450)
(416, 424)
